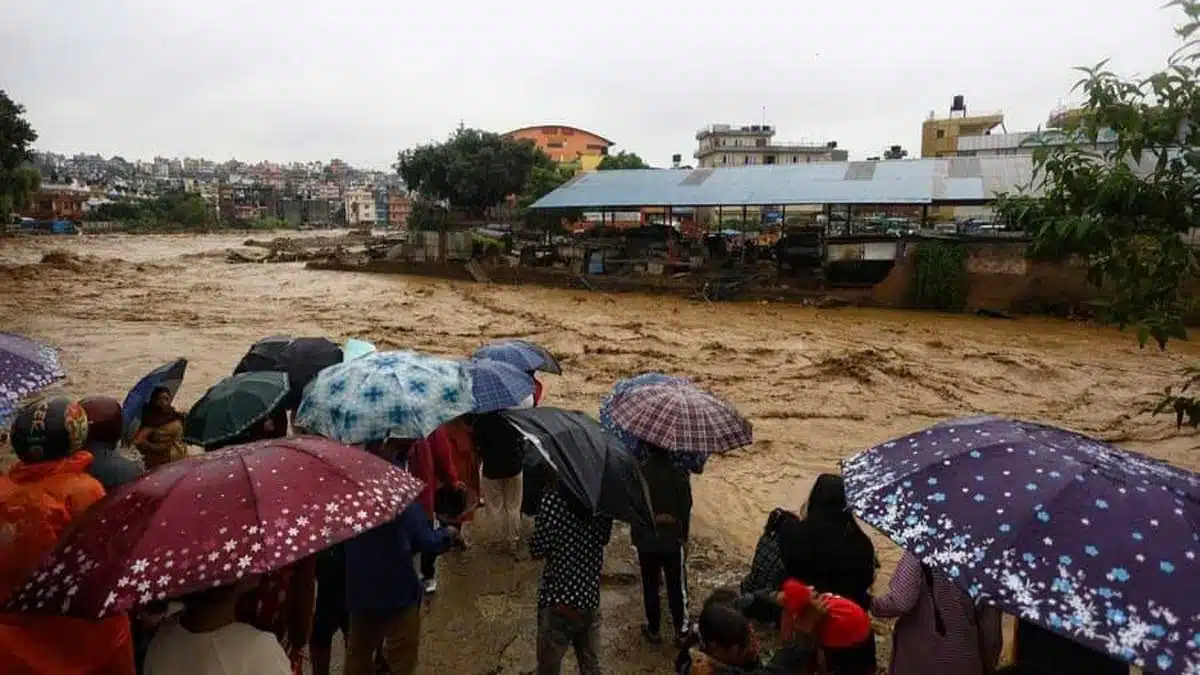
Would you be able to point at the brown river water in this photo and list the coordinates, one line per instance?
(818, 385)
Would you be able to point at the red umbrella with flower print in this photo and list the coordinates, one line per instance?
(210, 520)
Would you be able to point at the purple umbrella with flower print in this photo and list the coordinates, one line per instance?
(26, 367)
(212, 519)
(1092, 542)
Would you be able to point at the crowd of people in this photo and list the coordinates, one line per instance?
(812, 576)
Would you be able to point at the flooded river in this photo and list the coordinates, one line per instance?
(818, 384)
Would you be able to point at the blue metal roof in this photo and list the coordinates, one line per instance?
(912, 181)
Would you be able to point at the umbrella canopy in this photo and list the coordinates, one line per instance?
(497, 385)
(680, 418)
(526, 355)
(212, 519)
(354, 348)
(590, 463)
(263, 355)
(692, 462)
(1089, 541)
(232, 406)
(26, 367)
(168, 376)
(396, 394)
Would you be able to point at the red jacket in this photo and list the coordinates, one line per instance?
(432, 463)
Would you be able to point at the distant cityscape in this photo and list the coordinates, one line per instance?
(329, 193)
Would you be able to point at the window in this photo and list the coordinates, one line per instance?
(746, 159)
(795, 159)
(724, 159)
(554, 144)
(941, 133)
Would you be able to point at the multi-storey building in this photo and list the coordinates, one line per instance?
(729, 145)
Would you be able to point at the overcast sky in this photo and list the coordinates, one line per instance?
(360, 79)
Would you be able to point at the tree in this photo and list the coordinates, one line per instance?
(895, 152)
(543, 179)
(1127, 211)
(472, 170)
(18, 179)
(622, 160)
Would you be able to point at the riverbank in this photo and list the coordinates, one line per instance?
(818, 384)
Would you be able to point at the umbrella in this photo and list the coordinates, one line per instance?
(263, 355)
(168, 376)
(497, 385)
(692, 462)
(681, 418)
(212, 519)
(590, 463)
(1092, 542)
(526, 355)
(355, 348)
(26, 367)
(397, 394)
(232, 406)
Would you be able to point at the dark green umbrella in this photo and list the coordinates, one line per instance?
(234, 405)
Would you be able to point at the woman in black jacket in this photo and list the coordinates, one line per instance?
(827, 550)
(661, 549)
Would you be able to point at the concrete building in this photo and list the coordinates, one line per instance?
(399, 209)
(360, 208)
(939, 137)
(58, 202)
(752, 145)
(565, 144)
(381, 206)
(1026, 142)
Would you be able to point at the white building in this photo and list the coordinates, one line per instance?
(729, 145)
(1022, 143)
(360, 208)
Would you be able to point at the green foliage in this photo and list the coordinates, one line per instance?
(543, 180)
(18, 180)
(170, 211)
(473, 170)
(1128, 211)
(622, 160)
(940, 276)
(427, 216)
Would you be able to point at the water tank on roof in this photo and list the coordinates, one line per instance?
(959, 104)
(832, 145)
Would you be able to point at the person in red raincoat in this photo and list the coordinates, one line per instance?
(39, 498)
(433, 464)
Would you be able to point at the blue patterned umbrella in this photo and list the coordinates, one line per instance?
(1092, 542)
(526, 355)
(26, 367)
(354, 348)
(168, 376)
(497, 385)
(397, 394)
(689, 461)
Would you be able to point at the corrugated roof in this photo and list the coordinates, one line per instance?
(912, 181)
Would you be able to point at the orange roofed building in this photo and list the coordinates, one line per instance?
(565, 144)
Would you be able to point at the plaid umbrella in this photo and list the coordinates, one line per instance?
(692, 462)
(681, 418)
(26, 367)
(1092, 542)
(385, 394)
(497, 385)
(526, 355)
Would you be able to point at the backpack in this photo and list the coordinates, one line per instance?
(33, 517)
(767, 570)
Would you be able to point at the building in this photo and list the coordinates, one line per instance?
(939, 137)
(360, 208)
(730, 145)
(565, 144)
(381, 206)
(399, 209)
(58, 202)
(1026, 142)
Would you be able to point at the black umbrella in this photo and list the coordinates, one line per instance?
(300, 358)
(592, 465)
(263, 355)
(232, 406)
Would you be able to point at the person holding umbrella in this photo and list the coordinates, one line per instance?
(159, 437)
(660, 548)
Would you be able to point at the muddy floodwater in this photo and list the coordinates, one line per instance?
(818, 385)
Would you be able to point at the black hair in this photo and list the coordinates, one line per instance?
(721, 625)
(722, 596)
(827, 500)
(1022, 669)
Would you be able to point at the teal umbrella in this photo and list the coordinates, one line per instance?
(354, 348)
(234, 405)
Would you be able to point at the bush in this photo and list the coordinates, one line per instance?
(940, 276)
